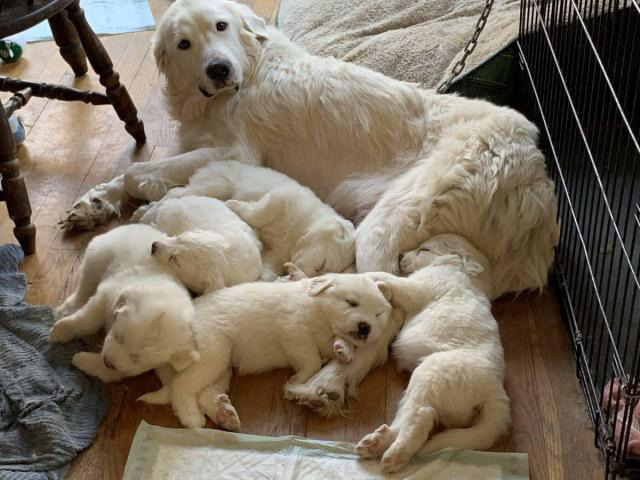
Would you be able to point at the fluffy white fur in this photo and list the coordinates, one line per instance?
(293, 224)
(210, 246)
(422, 163)
(144, 309)
(261, 326)
(452, 344)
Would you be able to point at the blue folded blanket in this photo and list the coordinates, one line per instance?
(49, 410)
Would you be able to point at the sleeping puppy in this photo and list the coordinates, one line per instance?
(255, 327)
(293, 223)
(210, 246)
(144, 309)
(452, 344)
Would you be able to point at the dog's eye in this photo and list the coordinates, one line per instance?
(184, 44)
(135, 358)
(119, 338)
(174, 259)
(423, 250)
(352, 303)
(221, 26)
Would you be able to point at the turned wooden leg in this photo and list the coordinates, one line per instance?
(66, 37)
(101, 64)
(14, 191)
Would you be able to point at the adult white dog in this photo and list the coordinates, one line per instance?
(424, 163)
(452, 345)
(292, 222)
(255, 327)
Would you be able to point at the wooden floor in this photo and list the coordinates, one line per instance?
(71, 147)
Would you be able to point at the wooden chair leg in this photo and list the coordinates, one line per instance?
(14, 191)
(102, 65)
(66, 37)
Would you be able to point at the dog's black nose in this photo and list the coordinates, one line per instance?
(218, 71)
(108, 364)
(154, 248)
(363, 330)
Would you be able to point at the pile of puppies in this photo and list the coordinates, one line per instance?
(190, 290)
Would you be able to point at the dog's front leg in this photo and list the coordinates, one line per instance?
(93, 364)
(215, 403)
(260, 213)
(150, 181)
(85, 321)
(304, 358)
(188, 384)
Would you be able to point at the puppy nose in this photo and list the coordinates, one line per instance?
(218, 71)
(108, 364)
(363, 330)
(154, 248)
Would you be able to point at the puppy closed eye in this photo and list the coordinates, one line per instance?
(135, 358)
(424, 250)
(352, 303)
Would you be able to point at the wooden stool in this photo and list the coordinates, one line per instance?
(77, 43)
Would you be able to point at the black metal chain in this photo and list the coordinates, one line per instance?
(471, 45)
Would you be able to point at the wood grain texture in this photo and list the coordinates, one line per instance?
(71, 147)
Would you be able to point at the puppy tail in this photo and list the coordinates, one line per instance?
(492, 422)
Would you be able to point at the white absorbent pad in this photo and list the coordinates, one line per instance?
(193, 454)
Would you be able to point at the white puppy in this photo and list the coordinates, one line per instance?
(255, 327)
(145, 310)
(211, 246)
(293, 223)
(452, 344)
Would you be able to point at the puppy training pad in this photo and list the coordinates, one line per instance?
(177, 454)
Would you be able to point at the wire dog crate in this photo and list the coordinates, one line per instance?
(580, 66)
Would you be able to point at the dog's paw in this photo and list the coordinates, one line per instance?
(343, 350)
(192, 418)
(153, 189)
(68, 307)
(159, 397)
(139, 213)
(374, 444)
(225, 414)
(394, 460)
(62, 331)
(91, 210)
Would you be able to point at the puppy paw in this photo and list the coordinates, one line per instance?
(91, 210)
(394, 460)
(343, 350)
(62, 331)
(68, 307)
(139, 213)
(374, 444)
(159, 397)
(225, 414)
(192, 418)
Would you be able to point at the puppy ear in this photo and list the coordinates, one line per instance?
(182, 358)
(318, 285)
(385, 290)
(155, 327)
(471, 267)
(122, 302)
(346, 228)
(252, 22)
(294, 272)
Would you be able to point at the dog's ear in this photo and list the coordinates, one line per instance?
(182, 358)
(294, 272)
(385, 290)
(160, 53)
(155, 327)
(471, 267)
(122, 302)
(252, 22)
(318, 285)
(346, 229)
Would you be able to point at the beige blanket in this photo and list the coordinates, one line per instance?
(412, 40)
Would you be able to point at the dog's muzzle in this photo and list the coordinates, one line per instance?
(364, 329)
